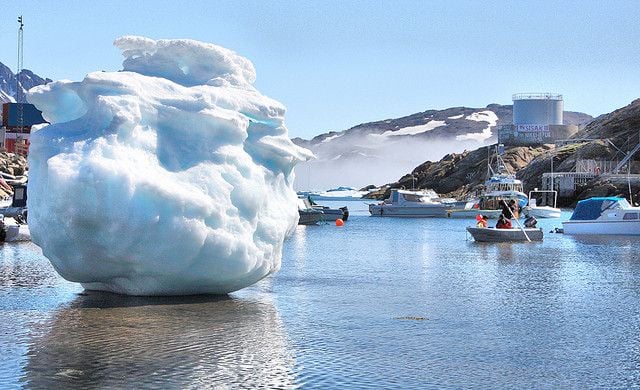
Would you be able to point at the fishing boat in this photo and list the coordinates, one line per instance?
(501, 185)
(544, 211)
(482, 234)
(604, 216)
(412, 204)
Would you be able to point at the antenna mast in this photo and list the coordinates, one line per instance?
(20, 58)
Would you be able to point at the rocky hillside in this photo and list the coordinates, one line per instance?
(11, 165)
(9, 83)
(462, 174)
(385, 149)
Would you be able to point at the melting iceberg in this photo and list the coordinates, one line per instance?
(173, 176)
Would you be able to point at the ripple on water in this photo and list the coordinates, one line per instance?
(110, 341)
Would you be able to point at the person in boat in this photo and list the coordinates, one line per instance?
(530, 221)
(506, 210)
(503, 223)
(482, 222)
(515, 210)
(509, 209)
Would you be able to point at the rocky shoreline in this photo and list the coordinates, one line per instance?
(11, 165)
(608, 137)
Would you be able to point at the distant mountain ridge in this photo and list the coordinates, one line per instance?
(385, 149)
(9, 83)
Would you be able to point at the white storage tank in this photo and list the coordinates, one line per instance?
(537, 109)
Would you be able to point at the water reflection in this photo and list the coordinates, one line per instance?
(21, 266)
(110, 341)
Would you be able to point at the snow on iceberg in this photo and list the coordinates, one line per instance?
(173, 176)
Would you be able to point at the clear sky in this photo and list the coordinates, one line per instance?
(336, 64)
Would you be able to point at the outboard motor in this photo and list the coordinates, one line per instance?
(19, 196)
(345, 213)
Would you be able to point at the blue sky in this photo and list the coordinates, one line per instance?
(336, 64)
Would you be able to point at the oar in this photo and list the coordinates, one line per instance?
(519, 224)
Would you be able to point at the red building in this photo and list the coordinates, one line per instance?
(17, 119)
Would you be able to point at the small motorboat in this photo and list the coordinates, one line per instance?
(544, 211)
(411, 204)
(329, 213)
(310, 209)
(15, 230)
(488, 234)
(604, 216)
(308, 215)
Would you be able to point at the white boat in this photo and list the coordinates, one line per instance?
(472, 209)
(534, 210)
(16, 230)
(406, 203)
(482, 234)
(604, 216)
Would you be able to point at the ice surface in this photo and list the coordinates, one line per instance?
(173, 176)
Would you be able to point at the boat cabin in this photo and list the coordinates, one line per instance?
(592, 208)
(405, 196)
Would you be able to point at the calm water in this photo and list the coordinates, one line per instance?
(378, 303)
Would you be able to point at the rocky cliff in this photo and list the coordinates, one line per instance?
(9, 84)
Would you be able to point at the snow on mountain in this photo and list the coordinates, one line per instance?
(380, 152)
(412, 130)
(483, 116)
(9, 83)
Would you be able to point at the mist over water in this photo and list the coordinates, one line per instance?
(370, 159)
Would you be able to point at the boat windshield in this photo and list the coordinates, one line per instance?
(413, 197)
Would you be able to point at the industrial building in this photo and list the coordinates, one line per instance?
(537, 119)
(17, 119)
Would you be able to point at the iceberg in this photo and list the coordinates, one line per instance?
(171, 177)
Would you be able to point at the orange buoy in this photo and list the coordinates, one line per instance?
(339, 222)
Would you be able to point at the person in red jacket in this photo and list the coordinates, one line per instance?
(503, 223)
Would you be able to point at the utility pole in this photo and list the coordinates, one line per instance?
(20, 143)
(20, 58)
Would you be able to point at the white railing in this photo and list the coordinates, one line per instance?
(531, 96)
